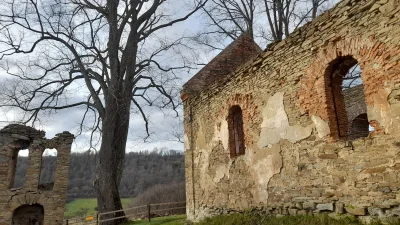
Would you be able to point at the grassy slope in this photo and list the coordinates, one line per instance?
(85, 207)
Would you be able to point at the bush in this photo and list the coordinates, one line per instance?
(163, 193)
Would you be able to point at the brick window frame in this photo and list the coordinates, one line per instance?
(378, 71)
(333, 78)
(340, 126)
(236, 131)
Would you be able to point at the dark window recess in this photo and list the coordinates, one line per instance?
(236, 134)
(28, 215)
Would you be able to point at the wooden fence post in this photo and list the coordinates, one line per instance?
(67, 222)
(148, 212)
(97, 219)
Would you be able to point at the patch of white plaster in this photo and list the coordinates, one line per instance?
(321, 125)
(297, 132)
(379, 111)
(222, 134)
(265, 163)
(186, 143)
(221, 172)
(275, 125)
(201, 214)
(203, 162)
(274, 114)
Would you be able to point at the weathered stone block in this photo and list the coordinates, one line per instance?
(328, 156)
(357, 211)
(293, 212)
(339, 207)
(309, 205)
(375, 211)
(390, 177)
(302, 212)
(325, 207)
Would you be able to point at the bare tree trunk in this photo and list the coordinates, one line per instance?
(314, 8)
(111, 155)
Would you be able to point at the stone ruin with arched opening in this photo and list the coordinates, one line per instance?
(32, 204)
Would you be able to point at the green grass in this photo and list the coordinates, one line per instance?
(251, 219)
(167, 220)
(254, 219)
(86, 207)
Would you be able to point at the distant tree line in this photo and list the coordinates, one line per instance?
(143, 170)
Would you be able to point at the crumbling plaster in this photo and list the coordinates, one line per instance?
(275, 125)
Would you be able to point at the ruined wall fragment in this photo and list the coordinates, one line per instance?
(32, 202)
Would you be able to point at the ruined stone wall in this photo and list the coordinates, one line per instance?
(29, 202)
(294, 161)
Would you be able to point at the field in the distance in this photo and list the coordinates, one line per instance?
(86, 207)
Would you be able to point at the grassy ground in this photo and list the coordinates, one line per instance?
(167, 220)
(249, 219)
(85, 207)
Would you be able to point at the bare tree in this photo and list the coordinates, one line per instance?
(102, 56)
(352, 78)
(272, 20)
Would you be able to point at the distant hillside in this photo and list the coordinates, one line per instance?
(142, 170)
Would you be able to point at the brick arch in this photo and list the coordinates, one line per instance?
(373, 58)
(250, 113)
(25, 199)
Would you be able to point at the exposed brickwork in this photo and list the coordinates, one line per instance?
(293, 163)
(249, 113)
(28, 203)
(216, 71)
(375, 59)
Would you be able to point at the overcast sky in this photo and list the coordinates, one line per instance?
(161, 122)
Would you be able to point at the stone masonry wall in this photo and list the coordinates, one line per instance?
(294, 161)
(30, 201)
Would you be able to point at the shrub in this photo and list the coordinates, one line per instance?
(162, 193)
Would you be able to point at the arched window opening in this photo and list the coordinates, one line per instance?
(236, 135)
(345, 99)
(28, 215)
(19, 164)
(47, 169)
